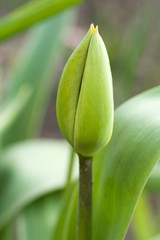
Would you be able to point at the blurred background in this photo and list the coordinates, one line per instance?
(130, 30)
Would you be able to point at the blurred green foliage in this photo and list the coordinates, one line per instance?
(36, 202)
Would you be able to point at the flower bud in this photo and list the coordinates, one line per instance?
(85, 96)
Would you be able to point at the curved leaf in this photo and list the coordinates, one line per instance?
(123, 167)
(127, 163)
(28, 171)
(30, 14)
(37, 221)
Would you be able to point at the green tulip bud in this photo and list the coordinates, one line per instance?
(85, 96)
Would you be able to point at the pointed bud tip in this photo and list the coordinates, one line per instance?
(96, 29)
(93, 29)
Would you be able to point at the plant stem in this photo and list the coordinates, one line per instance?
(85, 199)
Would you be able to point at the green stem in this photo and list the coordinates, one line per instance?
(85, 199)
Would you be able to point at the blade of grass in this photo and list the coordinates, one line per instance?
(30, 14)
(36, 67)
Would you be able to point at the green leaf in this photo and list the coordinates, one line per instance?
(30, 14)
(35, 69)
(123, 167)
(126, 164)
(67, 219)
(10, 111)
(28, 171)
(38, 220)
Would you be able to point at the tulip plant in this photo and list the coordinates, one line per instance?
(85, 114)
(42, 194)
